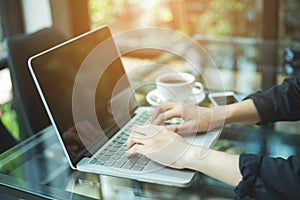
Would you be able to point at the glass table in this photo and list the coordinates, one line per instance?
(37, 168)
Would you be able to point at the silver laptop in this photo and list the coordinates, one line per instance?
(92, 107)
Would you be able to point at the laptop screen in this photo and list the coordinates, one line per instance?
(85, 88)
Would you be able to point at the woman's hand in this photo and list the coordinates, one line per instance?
(159, 144)
(196, 119)
(170, 149)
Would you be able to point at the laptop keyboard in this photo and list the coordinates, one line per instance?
(113, 155)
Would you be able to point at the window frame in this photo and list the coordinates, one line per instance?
(12, 23)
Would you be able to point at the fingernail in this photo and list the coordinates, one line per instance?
(127, 154)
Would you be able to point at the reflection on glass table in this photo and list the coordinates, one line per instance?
(37, 167)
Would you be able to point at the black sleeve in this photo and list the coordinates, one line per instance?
(279, 103)
(269, 178)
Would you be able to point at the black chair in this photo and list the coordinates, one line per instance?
(31, 114)
(6, 141)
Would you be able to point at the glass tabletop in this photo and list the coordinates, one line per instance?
(38, 169)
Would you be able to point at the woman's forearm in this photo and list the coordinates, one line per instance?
(219, 165)
(241, 113)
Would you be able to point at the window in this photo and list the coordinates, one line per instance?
(216, 17)
(241, 18)
(127, 14)
(1, 44)
(289, 27)
(36, 14)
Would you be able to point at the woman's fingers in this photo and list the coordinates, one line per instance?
(146, 131)
(169, 114)
(135, 149)
(134, 139)
(174, 127)
(138, 131)
(157, 143)
(160, 109)
(139, 136)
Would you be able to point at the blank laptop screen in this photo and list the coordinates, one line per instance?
(83, 61)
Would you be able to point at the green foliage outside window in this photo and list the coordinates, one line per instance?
(128, 14)
(230, 18)
(241, 18)
(214, 17)
(9, 119)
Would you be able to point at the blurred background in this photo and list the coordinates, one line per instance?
(208, 21)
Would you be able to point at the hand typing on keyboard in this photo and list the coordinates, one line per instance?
(194, 119)
(168, 150)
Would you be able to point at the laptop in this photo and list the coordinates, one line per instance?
(92, 107)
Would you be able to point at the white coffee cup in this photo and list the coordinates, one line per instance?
(177, 86)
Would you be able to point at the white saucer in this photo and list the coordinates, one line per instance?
(154, 98)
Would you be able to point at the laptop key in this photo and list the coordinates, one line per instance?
(129, 164)
(93, 161)
(143, 161)
(114, 149)
(110, 162)
(109, 153)
(104, 158)
(120, 152)
(138, 167)
(98, 156)
(99, 163)
(120, 163)
(116, 157)
(118, 145)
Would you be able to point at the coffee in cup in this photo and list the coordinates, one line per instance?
(177, 86)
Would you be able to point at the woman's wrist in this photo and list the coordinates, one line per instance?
(219, 165)
(191, 156)
(243, 112)
(217, 117)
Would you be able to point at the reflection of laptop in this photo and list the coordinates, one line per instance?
(82, 80)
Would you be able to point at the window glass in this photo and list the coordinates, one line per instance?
(36, 14)
(216, 17)
(289, 20)
(240, 18)
(1, 42)
(126, 14)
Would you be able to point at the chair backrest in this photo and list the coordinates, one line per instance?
(31, 114)
(7, 141)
